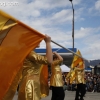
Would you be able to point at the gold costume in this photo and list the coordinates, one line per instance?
(79, 75)
(75, 73)
(30, 84)
(56, 77)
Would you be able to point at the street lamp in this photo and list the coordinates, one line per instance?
(72, 23)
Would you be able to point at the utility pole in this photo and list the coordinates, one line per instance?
(72, 24)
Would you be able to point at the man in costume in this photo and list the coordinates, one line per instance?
(80, 82)
(56, 80)
(29, 88)
(77, 74)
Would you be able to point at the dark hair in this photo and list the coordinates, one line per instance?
(54, 57)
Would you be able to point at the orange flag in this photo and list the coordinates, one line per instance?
(16, 41)
(44, 81)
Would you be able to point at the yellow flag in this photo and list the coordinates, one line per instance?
(76, 60)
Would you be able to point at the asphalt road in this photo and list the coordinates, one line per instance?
(70, 95)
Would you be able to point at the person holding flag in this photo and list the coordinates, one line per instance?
(17, 41)
(77, 74)
(79, 82)
(29, 88)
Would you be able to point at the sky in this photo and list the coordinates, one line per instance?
(54, 18)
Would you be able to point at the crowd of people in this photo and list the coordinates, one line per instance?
(92, 83)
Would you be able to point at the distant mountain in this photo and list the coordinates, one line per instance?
(92, 63)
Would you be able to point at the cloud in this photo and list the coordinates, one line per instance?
(54, 17)
(89, 42)
(62, 16)
(97, 5)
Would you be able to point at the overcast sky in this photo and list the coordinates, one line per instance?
(54, 18)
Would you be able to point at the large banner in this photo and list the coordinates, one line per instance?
(16, 41)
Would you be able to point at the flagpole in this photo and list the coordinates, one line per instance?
(69, 50)
(58, 49)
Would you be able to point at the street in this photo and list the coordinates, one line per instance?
(69, 95)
